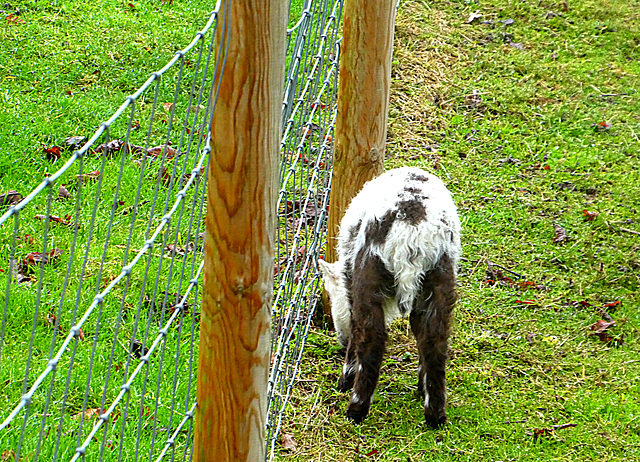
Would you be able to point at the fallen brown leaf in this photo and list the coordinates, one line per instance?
(113, 146)
(66, 221)
(87, 177)
(12, 19)
(88, 414)
(63, 193)
(10, 198)
(35, 258)
(158, 151)
(288, 442)
(600, 328)
(601, 325)
(53, 153)
(25, 270)
(561, 234)
(8, 455)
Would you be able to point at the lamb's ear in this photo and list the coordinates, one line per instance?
(328, 270)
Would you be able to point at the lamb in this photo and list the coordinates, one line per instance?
(398, 251)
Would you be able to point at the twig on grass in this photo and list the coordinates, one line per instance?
(630, 231)
(490, 264)
(538, 432)
(626, 230)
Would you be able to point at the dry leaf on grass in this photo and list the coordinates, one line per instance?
(158, 151)
(12, 19)
(10, 198)
(600, 328)
(561, 234)
(63, 193)
(53, 153)
(289, 442)
(88, 414)
(66, 221)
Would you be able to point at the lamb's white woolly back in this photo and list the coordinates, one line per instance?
(409, 250)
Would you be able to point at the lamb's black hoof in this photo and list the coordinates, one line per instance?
(358, 411)
(435, 420)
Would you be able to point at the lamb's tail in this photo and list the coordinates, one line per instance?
(409, 253)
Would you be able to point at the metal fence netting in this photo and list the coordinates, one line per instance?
(102, 262)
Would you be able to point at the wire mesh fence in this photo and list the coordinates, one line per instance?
(102, 262)
(308, 123)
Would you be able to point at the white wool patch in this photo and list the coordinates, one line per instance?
(410, 249)
(426, 391)
(340, 307)
(391, 311)
(349, 368)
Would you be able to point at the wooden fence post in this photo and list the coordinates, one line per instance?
(363, 106)
(230, 421)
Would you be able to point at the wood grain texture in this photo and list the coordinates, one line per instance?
(363, 106)
(239, 245)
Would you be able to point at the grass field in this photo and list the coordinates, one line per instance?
(65, 68)
(531, 114)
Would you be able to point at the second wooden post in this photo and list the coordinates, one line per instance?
(363, 106)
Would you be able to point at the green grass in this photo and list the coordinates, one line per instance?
(513, 132)
(69, 65)
(66, 67)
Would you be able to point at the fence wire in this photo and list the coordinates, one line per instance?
(309, 111)
(102, 262)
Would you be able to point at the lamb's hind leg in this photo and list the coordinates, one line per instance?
(430, 320)
(371, 285)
